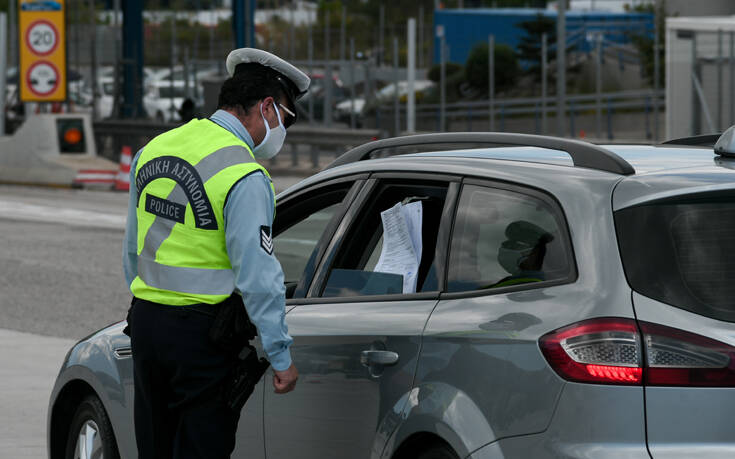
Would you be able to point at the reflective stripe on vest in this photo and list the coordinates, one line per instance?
(186, 280)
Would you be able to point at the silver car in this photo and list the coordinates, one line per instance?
(566, 300)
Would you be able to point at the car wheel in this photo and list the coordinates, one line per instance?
(437, 451)
(91, 434)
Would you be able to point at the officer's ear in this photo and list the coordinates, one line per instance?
(267, 104)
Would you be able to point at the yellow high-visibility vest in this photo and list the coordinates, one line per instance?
(183, 178)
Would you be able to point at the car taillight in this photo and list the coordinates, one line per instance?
(678, 358)
(615, 351)
(605, 351)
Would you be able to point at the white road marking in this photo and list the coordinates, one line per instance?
(13, 210)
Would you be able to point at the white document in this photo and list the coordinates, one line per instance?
(401, 253)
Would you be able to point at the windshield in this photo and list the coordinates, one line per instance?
(680, 252)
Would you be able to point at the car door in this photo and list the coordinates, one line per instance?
(304, 222)
(510, 256)
(357, 340)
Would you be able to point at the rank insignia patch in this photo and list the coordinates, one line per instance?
(266, 240)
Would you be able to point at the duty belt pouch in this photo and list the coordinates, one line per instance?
(232, 330)
(243, 378)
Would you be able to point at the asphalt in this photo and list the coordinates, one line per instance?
(60, 280)
(28, 365)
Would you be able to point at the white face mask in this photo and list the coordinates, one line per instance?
(273, 140)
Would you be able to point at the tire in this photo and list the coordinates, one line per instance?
(437, 451)
(91, 426)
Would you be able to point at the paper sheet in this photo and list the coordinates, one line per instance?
(401, 253)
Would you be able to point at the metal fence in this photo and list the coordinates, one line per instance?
(595, 114)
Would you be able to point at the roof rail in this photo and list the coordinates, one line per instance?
(707, 140)
(583, 154)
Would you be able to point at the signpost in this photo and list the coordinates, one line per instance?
(42, 38)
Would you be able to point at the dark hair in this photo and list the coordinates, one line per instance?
(250, 83)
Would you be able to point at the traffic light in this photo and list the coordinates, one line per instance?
(71, 135)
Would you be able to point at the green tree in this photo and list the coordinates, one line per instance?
(643, 42)
(529, 48)
(506, 72)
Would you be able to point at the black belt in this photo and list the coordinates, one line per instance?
(208, 309)
(203, 308)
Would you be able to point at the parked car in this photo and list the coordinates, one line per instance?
(164, 99)
(359, 106)
(568, 300)
(317, 94)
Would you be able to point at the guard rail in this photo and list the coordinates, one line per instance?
(301, 139)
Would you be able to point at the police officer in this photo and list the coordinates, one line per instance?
(199, 229)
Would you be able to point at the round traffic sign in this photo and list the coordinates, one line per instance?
(42, 38)
(42, 78)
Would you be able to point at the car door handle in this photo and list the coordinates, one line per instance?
(374, 357)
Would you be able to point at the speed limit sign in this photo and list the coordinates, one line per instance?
(42, 37)
(42, 50)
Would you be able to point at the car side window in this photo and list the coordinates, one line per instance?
(357, 269)
(504, 238)
(298, 228)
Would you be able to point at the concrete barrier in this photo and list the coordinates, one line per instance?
(52, 149)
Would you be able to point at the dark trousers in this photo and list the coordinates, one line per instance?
(179, 412)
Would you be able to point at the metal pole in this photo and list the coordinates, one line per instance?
(732, 78)
(491, 81)
(171, 109)
(93, 58)
(561, 67)
(352, 83)
(695, 104)
(381, 33)
(292, 33)
(13, 17)
(442, 84)
(187, 87)
(116, 97)
(656, 69)
(310, 57)
(3, 66)
(77, 30)
(396, 111)
(544, 78)
(411, 77)
(342, 35)
(420, 47)
(211, 32)
(598, 88)
(248, 25)
(719, 80)
(327, 73)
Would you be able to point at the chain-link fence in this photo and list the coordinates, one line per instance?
(359, 73)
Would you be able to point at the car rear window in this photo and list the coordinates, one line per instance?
(681, 251)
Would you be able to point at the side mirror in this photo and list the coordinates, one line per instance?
(725, 145)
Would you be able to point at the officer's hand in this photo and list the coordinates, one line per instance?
(285, 381)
